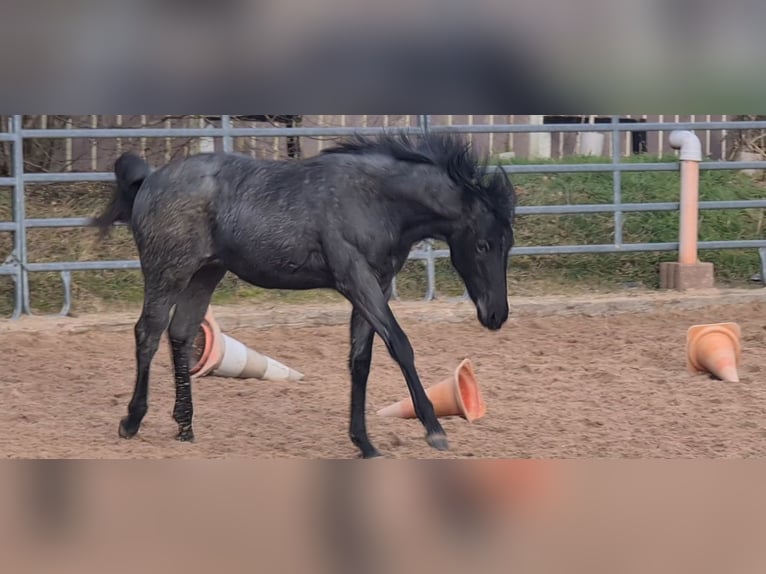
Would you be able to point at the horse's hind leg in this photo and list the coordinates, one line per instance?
(189, 312)
(148, 330)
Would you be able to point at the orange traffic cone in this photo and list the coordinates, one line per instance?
(714, 348)
(215, 353)
(455, 395)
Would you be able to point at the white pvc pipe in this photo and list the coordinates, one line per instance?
(539, 142)
(691, 155)
(688, 143)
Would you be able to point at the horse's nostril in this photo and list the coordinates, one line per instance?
(497, 320)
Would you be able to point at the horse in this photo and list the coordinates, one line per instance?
(344, 219)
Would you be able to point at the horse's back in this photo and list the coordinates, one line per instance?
(262, 218)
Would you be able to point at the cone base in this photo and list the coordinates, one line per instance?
(212, 351)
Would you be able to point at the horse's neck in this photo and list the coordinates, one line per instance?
(433, 204)
(427, 222)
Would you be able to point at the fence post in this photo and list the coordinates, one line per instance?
(424, 124)
(762, 256)
(19, 215)
(228, 143)
(617, 181)
(207, 143)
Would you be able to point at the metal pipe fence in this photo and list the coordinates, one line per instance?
(18, 266)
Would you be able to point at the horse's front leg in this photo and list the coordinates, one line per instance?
(362, 289)
(360, 358)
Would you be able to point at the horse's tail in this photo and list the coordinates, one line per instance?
(130, 171)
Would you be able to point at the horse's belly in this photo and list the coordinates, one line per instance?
(280, 273)
(275, 280)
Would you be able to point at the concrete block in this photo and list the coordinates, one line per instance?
(683, 277)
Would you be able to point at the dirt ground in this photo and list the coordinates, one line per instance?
(565, 382)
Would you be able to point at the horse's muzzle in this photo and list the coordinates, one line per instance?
(491, 317)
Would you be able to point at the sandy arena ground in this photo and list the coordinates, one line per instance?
(600, 377)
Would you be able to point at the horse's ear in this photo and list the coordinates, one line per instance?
(502, 176)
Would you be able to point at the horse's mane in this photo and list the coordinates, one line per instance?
(446, 151)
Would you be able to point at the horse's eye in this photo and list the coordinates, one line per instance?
(482, 246)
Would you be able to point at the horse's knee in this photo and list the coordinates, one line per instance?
(181, 339)
(176, 337)
(401, 350)
(181, 333)
(143, 338)
(139, 329)
(148, 332)
(150, 323)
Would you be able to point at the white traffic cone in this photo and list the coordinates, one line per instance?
(218, 354)
(244, 363)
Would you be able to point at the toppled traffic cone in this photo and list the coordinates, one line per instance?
(715, 349)
(218, 354)
(455, 395)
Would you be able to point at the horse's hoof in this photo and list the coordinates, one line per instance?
(437, 440)
(127, 428)
(372, 454)
(185, 435)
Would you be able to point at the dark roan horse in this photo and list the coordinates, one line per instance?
(345, 219)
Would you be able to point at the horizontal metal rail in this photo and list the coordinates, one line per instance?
(622, 167)
(608, 248)
(540, 168)
(634, 207)
(110, 133)
(424, 254)
(598, 127)
(84, 265)
(564, 209)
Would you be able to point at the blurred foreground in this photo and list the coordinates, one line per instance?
(383, 516)
(337, 56)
